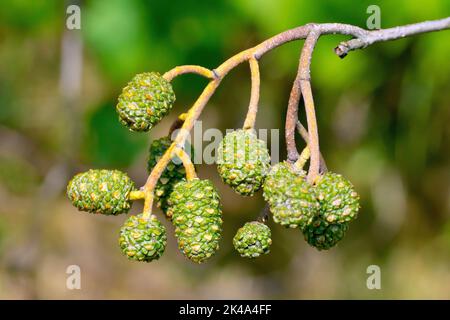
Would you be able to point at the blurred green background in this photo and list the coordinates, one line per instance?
(383, 112)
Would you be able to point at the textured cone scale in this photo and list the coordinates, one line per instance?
(338, 200)
(174, 172)
(323, 235)
(196, 214)
(143, 239)
(145, 100)
(291, 199)
(243, 161)
(101, 191)
(253, 240)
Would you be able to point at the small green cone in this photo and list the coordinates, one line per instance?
(338, 200)
(323, 235)
(144, 101)
(143, 239)
(243, 161)
(174, 172)
(101, 191)
(196, 214)
(290, 197)
(253, 240)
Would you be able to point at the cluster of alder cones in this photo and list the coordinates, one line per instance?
(321, 210)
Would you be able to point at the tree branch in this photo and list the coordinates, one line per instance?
(368, 38)
(312, 31)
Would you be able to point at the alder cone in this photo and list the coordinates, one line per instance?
(253, 240)
(291, 198)
(243, 161)
(101, 191)
(143, 239)
(144, 101)
(324, 235)
(338, 200)
(197, 216)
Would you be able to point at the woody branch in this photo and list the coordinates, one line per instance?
(361, 39)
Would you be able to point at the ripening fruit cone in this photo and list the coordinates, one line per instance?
(243, 161)
(174, 172)
(253, 240)
(197, 217)
(290, 197)
(143, 239)
(144, 101)
(324, 235)
(338, 200)
(101, 191)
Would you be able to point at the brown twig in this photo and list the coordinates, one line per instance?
(291, 119)
(368, 38)
(305, 86)
(363, 38)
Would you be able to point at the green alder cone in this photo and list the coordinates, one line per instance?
(144, 101)
(143, 239)
(243, 161)
(196, 214)
(174, 172)
(338, 200)
(101, 191)
(324, 235)
(290, 197)
(253, 240)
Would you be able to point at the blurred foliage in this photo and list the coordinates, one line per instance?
(104, 143)
(383, 116)
(17, 175)
(26, 16)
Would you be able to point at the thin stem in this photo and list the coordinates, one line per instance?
(292, 117)
(152, 179)
(136, 195)
(171, 74)
(305, 85)
(148, 204)
(305, 136)
(303, 158)
(250, 119)
(187, 163)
